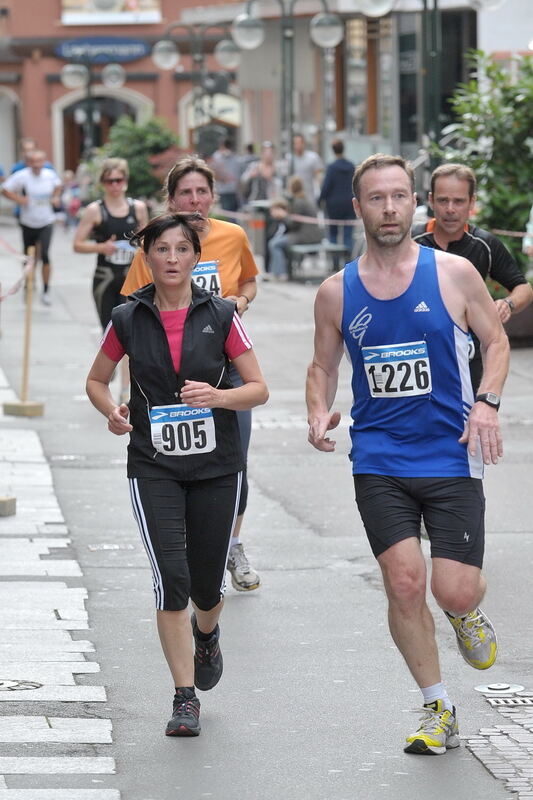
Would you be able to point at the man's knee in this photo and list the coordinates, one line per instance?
(459, 590)
(405, 583)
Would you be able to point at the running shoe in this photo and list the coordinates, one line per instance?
(476, 638)
(46, 298)
(437, 733)
(185, 715)
(243, 577)
(208, 664)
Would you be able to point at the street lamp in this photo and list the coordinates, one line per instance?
(80, 74)
(326, 30)
(166, 55)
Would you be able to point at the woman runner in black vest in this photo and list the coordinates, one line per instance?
(185, 457)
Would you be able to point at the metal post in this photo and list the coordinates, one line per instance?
(435, 56)
(431, 59)
(425, 116)
(287, 81)
(89, 122)
(198, 60)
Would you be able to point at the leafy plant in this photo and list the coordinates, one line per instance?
(494, 136)
(135, 142)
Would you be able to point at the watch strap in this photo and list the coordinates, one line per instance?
(490, 398)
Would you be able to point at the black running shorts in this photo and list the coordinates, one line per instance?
(33, 236)
(186, 528)
(453, 510)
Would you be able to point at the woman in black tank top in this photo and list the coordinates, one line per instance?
(105, 229)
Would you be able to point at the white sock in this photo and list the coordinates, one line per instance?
(437, 692)
(234, 540)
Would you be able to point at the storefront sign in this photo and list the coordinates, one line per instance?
(102, 49)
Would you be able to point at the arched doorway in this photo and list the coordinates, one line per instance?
(69, 115)
(9, 123)
(10, 127)
(105, 112)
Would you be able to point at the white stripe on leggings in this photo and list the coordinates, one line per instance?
(138, 513)
(235, 515)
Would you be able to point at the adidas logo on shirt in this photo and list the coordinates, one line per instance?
(422, 307)
(208, 329)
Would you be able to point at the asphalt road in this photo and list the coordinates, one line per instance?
(315, 701)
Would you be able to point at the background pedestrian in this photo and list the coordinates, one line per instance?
(297, 231)
(337, 198)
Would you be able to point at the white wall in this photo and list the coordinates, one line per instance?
(506, 29)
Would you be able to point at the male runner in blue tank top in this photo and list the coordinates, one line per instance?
(419, 437)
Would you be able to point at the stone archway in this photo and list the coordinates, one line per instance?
(10, 127)
(107, 103)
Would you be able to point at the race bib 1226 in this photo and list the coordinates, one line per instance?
(397, 370)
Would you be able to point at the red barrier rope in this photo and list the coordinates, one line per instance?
(28, 264)
(246, 216)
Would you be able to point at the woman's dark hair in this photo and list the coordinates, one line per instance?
(157, 227)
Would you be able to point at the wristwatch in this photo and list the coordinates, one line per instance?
(510, 303)
(490, 398)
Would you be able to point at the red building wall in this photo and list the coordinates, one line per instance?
(31, 69)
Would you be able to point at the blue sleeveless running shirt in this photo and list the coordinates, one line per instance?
(411, 382)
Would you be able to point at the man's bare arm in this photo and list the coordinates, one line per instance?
(482, 427)
(322, 374)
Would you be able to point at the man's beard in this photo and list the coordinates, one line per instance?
(389, 239)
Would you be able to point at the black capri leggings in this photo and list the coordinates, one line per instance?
(186, 528)
(107, 283)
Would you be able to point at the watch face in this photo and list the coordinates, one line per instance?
(493, 398)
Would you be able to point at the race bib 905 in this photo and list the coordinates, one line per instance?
(206, 276)
(181, 430)
(397, 370)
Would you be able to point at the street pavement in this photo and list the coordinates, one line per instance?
(315, 701)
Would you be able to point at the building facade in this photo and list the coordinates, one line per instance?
(370, 88)
(37, 41)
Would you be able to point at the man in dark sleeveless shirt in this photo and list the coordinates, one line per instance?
(453, 199)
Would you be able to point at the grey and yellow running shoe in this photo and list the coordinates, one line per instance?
(437, 733)
(243, 577)
(476, 638)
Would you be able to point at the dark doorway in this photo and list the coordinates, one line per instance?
(105, 112)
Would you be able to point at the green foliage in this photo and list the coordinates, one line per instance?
(494, 136)
(135, 142)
